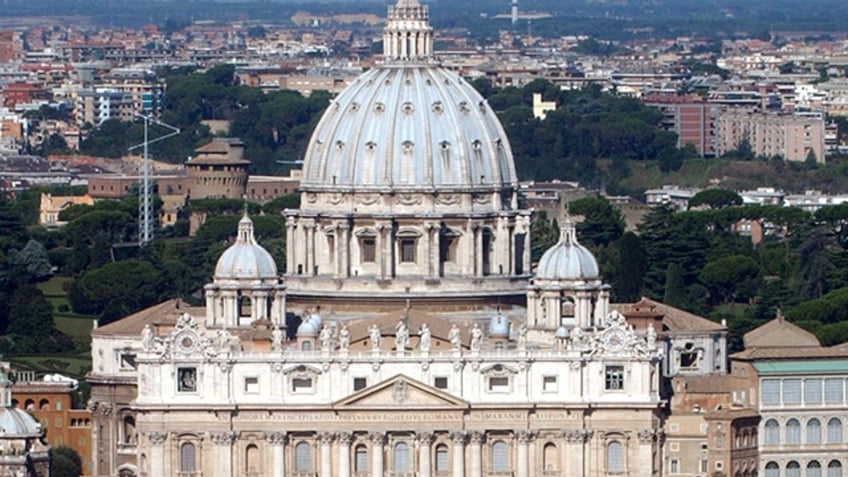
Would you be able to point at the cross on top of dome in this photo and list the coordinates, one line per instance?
(408, 35)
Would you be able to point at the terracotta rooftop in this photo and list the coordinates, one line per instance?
(165, 313)
(779, 333)
(673, 319)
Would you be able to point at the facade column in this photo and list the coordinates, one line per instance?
(310, 249)
(291, 266)
(156, 462)
(526, 246)
(223, 442)
(425, 439)
(458, 453)
(478, 250)
(326, 439)
(645, 465)
(523, 439)
(344, 250)
(277, 441)
(344, 440)
(377, 440)
(475, 440)
(432, 260)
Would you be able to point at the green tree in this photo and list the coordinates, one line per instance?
(544, 233)
(715, 198)
(65, 462)
(32, 261)
(31, 323)
(628, 283)
(130, 285)
(675, 287)
(731, 278)
(602, 223)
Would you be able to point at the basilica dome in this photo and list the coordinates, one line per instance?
(568, 260)
(408, 125)
(245, 259)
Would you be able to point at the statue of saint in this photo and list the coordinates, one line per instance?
(375, 335)
(401, 335)
(344, 338)
(276, 338)
(455, 338)
(476, 337)
(424, 338)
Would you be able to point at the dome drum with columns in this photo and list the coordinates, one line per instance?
(409, 187)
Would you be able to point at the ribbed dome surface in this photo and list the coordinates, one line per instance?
(17, 423)
(245, 259)
(499, 326)
(568, 260)
(408, 127)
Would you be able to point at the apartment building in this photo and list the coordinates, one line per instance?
(793, 137)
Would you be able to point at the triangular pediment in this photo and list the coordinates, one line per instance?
(403, 391)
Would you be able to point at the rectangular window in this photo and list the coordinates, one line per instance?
(792, 391)
(705, 465)
(833, 391)
(251, 385)
(674, 447)
(440, 382)
(186, 380)
(812, 391)
(407, 250)
(369, 250)
(614, 378)
(675, 466)
(301, 384)
(770, 390)
(127, 360)
(359, 383)
(498, 384)
(549, 384)
(719, 442)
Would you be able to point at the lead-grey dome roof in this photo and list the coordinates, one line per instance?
(568, 260)
(245, 259)
(408, 126)
(16, 423)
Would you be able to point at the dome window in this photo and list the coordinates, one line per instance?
(408, 108)
(379, 108)
(370, 146)
(445, 148)
(477, 145)
(339, 145)
(438, 108)
(354, 107)
(463, 107)
(407, 146)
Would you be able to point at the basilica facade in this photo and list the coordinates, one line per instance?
(424, 342)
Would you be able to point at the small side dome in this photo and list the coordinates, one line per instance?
(568, 260)
(561, 333)
(499, 326)
(17, 423)
(316, 320)
(307, 329)
(245, 259)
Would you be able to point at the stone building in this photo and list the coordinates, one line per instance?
(218, 170)
(409, 334)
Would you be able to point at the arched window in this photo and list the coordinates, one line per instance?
(251, 461)
(360, 463)
(44, 405)
(400, 457)
(615, 457)
(834, 469)
(306, 346)
(813, 469)
(772, 470)
(303, 457)
(813, 431)
(441, 458)
(188, 458)
(549, 457)
(500, 457)
(772, 433)
(793, 431)
(793, 469)
(834, 431)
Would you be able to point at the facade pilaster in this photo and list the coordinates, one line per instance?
(458, 439)
(475, 443)
(223, 441)
(344, 439)
(157, 452)
(326, 439)
(378, 439)
(277, 442)
(425, 440)
(522, 438)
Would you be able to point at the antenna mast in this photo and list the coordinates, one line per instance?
(145, 193)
